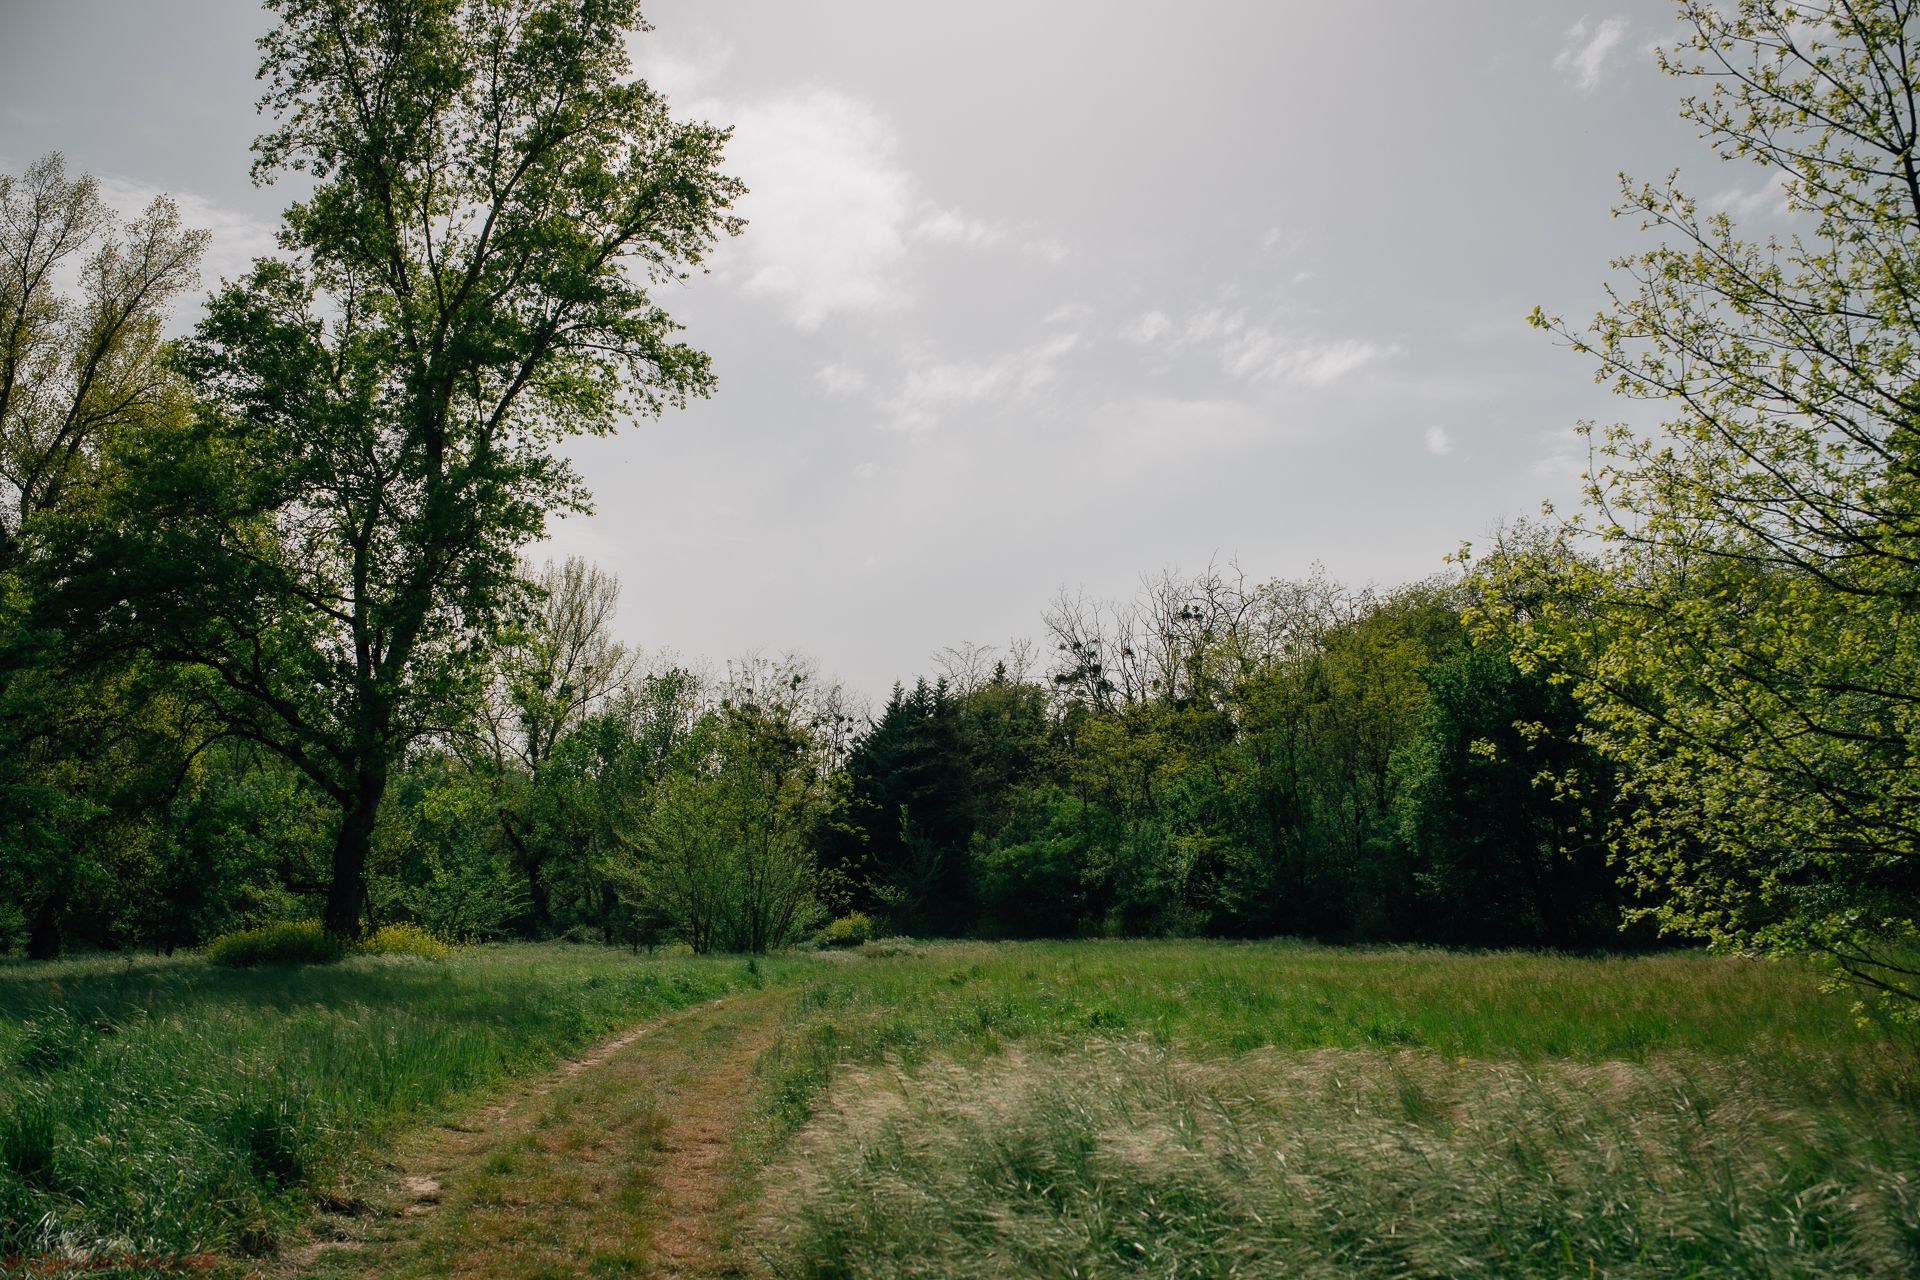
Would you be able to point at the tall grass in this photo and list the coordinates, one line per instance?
(174, 1105)
(1053, 1109)
(1220, 1110)
(1127, 1159)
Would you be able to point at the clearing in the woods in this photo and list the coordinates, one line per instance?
(969, 1109)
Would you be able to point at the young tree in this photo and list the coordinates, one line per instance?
(1746, 643)
(557, 670)
(74, 368)
(87, 757)
(566, 665)
(724, 852)
(333, 538)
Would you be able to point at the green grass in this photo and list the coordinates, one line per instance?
(1190, 1109)
(1165, 1109)
(172, 1105)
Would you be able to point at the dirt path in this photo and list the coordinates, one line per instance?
(615, 1164)
(695, 1150)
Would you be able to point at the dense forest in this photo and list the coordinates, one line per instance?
(271, 649)
(1215, 758)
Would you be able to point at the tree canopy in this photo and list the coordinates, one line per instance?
(332, 536)
(1741, 623)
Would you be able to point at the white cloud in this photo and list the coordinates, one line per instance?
(950, 226)
(1583, 56)
(236, 238)
(829, 207)
(1566, 460)
(930, 389)
(837, 222)
(1769, 197)
(1439, 443)
(679, 72)
(866, 471)
(1258, 352)
(839, 380)
(834, 218)
(1147, 328)
(1262, 354)
(1282, 241)
(1046, 249)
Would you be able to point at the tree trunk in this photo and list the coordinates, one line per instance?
(347, 893)
(43, 939)
(530, 863)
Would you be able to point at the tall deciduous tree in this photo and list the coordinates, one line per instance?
(471, 280)
(85, 752)
(1748, 644)
(74, 367)
(566, 665)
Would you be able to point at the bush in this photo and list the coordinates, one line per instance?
(283, 942)
(405, 940)
(849, 930)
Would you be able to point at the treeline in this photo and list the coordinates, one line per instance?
(1214, 758)
(1233, 759)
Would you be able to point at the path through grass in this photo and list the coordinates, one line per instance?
(620, 1168)
(1052, 1109)
(169, 1105)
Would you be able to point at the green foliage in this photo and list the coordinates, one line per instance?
(1033, 879)
(404, 940)
(438, 857)
(89, 742)
(331, 536)
(1507, 811)
(935, 771)
(285, 942)
(723, 856)
(1739, 628)
(849, 930)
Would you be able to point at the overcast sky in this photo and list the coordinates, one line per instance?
(1039, 295)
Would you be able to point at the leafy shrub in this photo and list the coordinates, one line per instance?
(849, 930)
(284, 942)
(405, 940)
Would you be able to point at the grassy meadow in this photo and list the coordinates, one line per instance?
(1193, 1109)
(171, 1105)
(973, 1109)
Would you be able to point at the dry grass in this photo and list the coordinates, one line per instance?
(1134, 1159)
(1186, 1109)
